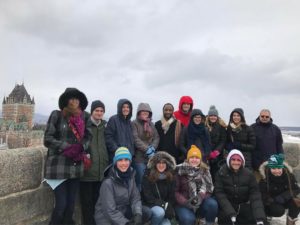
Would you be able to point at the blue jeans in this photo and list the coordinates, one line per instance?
(158, 216)
(65, 196)
(208, 209)
(140, 170)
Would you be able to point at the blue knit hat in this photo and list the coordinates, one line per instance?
(122, 153)
(276, 161)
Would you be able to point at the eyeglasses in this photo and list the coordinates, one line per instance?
(267, 117)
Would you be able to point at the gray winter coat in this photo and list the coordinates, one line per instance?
(116, 198)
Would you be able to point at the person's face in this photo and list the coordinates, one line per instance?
(197, 119)
(236, 117)
(73, 103)
(144, 114)
(194, 161)
(186, 107)
(276, 171)
(213, 118)
(161, 166)
(125, 110)
(123, 165)
(265, 117)
(235, 163)
(98, 113)
(168, 111)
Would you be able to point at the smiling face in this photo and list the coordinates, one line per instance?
(265, 116)
(236, 162)
(98, 113)
(125, 110)
(277, 172)
(161, 166)
(236, 118)
(213, 118)
(186, 107)
(194, 161)
(197, 119)
(168, 111)
(123, 164)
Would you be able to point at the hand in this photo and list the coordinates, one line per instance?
(150, 151)
(279, 199)
(87, 162)
(214, 154)
(237, 145)
(193, 203)
(137, 219)
(74, 152)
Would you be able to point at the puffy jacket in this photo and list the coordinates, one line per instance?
(116, 198)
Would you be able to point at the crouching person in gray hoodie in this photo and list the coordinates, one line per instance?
(120, 201)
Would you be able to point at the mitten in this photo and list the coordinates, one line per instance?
(237, 145)
(150, 151)
(214, 154)
(74, 152)
(137, 219)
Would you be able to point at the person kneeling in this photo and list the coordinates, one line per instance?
(193, 190)
(278, 187)
(120, 201)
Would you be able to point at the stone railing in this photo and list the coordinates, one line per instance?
(26, 200)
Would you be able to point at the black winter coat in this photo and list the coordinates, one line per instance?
(268, 142)
(271, 186)
(167, 140)
(150, 195)
(245, 137)
(232, 189)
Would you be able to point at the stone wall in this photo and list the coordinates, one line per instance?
(26, 200)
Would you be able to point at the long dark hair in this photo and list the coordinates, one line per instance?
(154, 174)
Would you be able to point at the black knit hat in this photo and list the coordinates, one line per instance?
(72, 93)
(96, 104)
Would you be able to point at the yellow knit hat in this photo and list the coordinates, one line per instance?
(194, 151)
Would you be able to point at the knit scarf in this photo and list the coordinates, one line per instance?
(147, 127)
(124, 176)
(236, 128)
(198, 131)
(76, 123)
(195, 177)
(165, 124)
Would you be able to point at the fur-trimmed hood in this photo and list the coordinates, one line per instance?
(263, 167)
(170, 160)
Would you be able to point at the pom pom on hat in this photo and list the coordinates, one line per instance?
(194, 151)
(213, 111)
(276, 161)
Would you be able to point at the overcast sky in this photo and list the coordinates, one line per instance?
(226, 53)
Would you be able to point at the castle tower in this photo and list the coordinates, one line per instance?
(18, 106)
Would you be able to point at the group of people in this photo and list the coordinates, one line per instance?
(184, 167)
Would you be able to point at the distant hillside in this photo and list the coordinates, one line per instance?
(40, 119)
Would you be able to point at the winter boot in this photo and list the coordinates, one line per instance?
(290, 221)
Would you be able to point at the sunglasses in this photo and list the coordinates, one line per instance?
(267, 117)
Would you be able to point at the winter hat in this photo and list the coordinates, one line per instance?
(235, 153)
(213, 111)
(162, 156)
(276, 161)
(197, 112)
(96, 104)
(72, 93)
(194, 151)
(122, 153)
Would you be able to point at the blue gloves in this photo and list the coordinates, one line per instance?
(150, 151)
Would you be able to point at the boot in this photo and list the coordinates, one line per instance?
(290, 221)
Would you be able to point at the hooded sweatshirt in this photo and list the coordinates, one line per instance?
(118, 131)
(183, 117)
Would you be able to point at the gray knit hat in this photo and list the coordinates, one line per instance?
(213, 111)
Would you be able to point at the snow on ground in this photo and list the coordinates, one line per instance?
(290, 139)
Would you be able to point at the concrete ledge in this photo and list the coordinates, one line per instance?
(21, 169)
